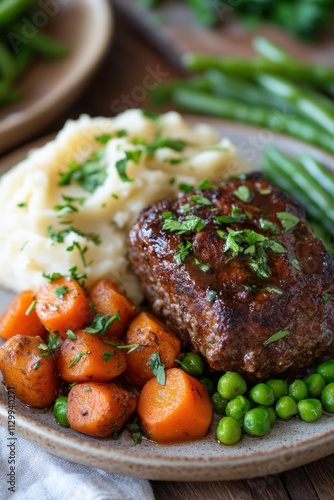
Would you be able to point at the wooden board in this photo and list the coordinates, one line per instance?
(173, 28)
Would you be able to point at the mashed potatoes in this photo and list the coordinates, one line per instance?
(72, 202)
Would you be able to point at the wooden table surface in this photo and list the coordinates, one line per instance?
(120, 83)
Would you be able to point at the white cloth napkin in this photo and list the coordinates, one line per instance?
(41, 475)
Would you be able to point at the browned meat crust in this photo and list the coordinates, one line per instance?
(229, 285)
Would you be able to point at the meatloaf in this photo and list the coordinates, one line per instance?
(236, 271)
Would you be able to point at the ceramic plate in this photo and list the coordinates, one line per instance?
(85, 27)
(288, 444)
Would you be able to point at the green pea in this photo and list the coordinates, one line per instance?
(231, 384)
(279, 386)
(315, 384)
(192, 364)
(237, 407)
(228, 430)
(257, 422)
(286, 407)
(219, 403)
(327, 398)
(271, 412)
(60, 409)
(298, 390)
(208, 383)
(326, 370)
(310, 410)
(262, 394)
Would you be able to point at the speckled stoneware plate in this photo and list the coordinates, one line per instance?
(288, 444)
(49, 87)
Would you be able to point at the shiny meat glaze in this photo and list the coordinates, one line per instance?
(229, 310)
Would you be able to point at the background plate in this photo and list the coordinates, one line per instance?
(85, 27)
(288, 444)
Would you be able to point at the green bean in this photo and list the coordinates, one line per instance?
(251, 68)
(314, 198)
(162, 93)
(245, 91)
(306, 102)
(41, 43)
(318, 172)
(4, 90)
(23, 59)
(270, 51)
(11, 9)
(199, 102)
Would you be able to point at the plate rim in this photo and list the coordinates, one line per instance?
(15, 129)
(177, 467)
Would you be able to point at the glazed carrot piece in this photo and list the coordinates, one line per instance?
(88, 357)
(152, 338)
(178, 411)
(63, 305)
(20, 317)
(29, 375)
(108, 300)
(99, 409)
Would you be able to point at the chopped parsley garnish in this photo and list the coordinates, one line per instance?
(200, 200)
(82, 252)
(129, 347)
(249, 242)
(243, 193)
(107, 355)
(165, 142)
(274, 290)
(268, 226)
(68, 207)
(206, 184)
(61, 291)
(31, 307)
(123, 163)
(23, 204)
(77, 358)
(203, 267)
(77, 276)
(228, 219)
(212, 294)
(158, 368)
(276, 336)
(288, 221)
(51, 346)
(90, 174)
(184, 250)
(190, 223)
(186, 188)
(326, 298)
(101, 323)
(151, 115)
(265, 191)
(295, 264)
(176, 161)
(87, 388)
(71, 335)
(37, 365)
(105, 138)
(59, 237)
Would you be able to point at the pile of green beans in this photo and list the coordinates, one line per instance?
(254, 409)
(21, 44)
(276, 92)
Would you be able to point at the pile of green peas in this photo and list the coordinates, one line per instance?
(254, 410)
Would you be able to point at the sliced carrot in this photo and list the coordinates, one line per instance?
(31, 377)
(178, 411)
(109, 300)
(88, 357)
(152, 338)
(20, 317)
(63, 305)
(99, 409)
